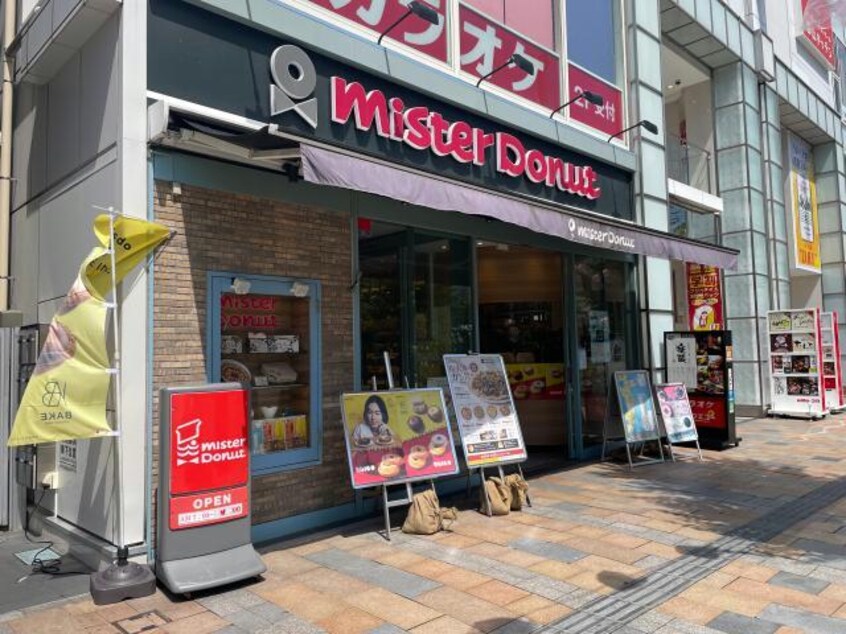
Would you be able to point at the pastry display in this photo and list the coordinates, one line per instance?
(435, 414)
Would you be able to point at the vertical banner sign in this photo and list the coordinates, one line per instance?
(397, 436)
(704, 297)
(209, 468)
(66, 397)
(487, 418)
(805, 227)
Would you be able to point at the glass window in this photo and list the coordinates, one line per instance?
(594, 37)
(416, 303)
(605, 343)
(264, 334)
(532, 19)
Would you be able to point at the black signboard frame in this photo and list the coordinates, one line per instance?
(712, 398)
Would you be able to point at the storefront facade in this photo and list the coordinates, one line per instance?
(334, 200)
(404, 224)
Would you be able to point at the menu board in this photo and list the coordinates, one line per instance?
(487, 420)
(397, 436)
(676, 412)
(634, 395)
(795, 369)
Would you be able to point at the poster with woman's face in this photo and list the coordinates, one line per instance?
(397, 436)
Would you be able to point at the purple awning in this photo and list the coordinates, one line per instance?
(324, 167)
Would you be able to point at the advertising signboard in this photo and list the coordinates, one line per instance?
(796, 371)
(397, 436)
(803, 197)
(429, 39)
(609, 118)
(704, 297)
(676, 412)
(702, 361)
(634, 395)
(487, 44)
(203, 522)
(832, 370)
(487, 419)
(819, 34)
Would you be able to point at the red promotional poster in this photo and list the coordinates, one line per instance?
(397, 436)
(607, 118)
(486, 45)
(704, 297)
(709, 411)
(208, 441)
(213, 507)
(429, 39)
(820, 35)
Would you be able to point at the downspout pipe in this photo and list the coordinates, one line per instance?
(6, 134)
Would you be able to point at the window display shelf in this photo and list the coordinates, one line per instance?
(793, 332)
(803, 353)
(271, 333)
(809, 375)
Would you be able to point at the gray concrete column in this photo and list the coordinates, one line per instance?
(646, 102)
(740, 176)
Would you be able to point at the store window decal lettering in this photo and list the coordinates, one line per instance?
(424, 129)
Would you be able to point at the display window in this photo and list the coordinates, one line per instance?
(264, 334)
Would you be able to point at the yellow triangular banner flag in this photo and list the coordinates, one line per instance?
(66, 395)
(134, 239)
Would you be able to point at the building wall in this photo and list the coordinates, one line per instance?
(218, 231)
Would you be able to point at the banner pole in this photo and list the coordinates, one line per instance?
(123, 579)
(117, 382)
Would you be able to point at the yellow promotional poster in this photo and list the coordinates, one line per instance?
(134, 240)
(806, 233)
(397, 436)
(66, 395)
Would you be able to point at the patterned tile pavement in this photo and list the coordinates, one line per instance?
(752, 540)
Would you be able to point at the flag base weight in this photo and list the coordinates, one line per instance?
(122, 580)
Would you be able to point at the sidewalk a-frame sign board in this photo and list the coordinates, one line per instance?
(397, 437)
(677, 415)
(485, 413)
(634, 409)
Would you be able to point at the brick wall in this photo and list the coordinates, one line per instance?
(249, 235)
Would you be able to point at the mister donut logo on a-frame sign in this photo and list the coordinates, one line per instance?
(294, 81)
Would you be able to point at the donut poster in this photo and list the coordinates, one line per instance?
(484, 408)
(397, 436)
(676, 412)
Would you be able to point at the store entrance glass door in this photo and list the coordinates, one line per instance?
(521, 317)
(604, 334)
(416, 303)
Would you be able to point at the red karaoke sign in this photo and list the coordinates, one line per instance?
(607, 118)
(486, 45)
(209, 466)
(378, 15)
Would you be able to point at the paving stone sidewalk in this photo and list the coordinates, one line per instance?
(752, 540)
